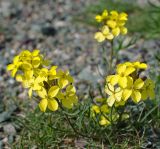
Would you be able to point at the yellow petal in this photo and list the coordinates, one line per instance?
(109, 89)
(74, 99)
(98, 18)
(30, 92)
(114, 14)
(52, 104)
(26, 66)
(116, 31)
(19, 78)
(121, 68)
(143, 66)
(71, 89)
(144, 94)
(99, 37)
(105, 30)
(140, 65)
(16, 59)
(62, 82)
(111, 100)
(67, 103)
(151, 93)
(136, 96)
(28, 74)
(118, 96)
(111, 24)
(60, 95)
(123, 30)
(122, 82)
(36, 62)
(35, 52)
(129, 82)
(53, 91)
(114, 79)
(43, 105)
(95, 108)
(14, 71)
(126, 94)
(104, 14)
(109, 36)
(104, 108)
(129, 70)
(42, 93)
(123, 16)
(138, 84)
(70, 78)
(10, 67)
(104, 121)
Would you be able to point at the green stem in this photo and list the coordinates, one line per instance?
(111, 57)
(70, 123)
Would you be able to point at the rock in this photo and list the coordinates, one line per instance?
(48, 31)
(5, 8)
(7, 114)
(88, 75)
(9, 129)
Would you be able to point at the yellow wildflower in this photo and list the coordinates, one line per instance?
(123, 71)
(115, 95)
(14, 66)
(64, 78)
(48, 98)
(68, 98)
(103, 121)
(133, 89)
(148, 89)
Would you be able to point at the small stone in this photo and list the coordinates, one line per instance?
(9, 129)
(48, 31)
(88, 75)
(11, 81)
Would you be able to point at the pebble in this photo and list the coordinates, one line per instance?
(9, 129)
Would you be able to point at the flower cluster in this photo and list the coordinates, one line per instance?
(51, 85)
(124, 85)
(127, 83)
(106, 114)
(113, 24)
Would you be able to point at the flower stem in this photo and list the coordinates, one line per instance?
(70, 123)
(111, 57)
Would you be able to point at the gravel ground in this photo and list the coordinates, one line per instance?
(49, 26)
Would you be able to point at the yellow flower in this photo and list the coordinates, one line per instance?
(99, 18)
(99, 36)
(52, 74)
(104, 34)
(64, 78)
(139, 65)
(123, 30)
(104, 108)
(133, 89)
(123, 71)
(102, 17)
(48, 98)
(116, 31)
(14, 66)
(115, 95)
(68, 98)
(103, 121)
(95, 109)
(148, 89)
(113, 24)
(33, 84)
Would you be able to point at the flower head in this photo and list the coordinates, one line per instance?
(113, 24)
